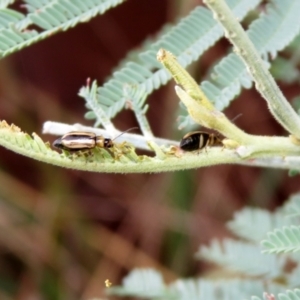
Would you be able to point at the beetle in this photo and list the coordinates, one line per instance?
(81, 140)
(197, 140)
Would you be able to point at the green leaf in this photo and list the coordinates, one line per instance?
(270, 33)
(243, 223)
(189, 39)
(146, 283)
(283, 240)
(290, 295)
(292, 207)
(52, 16)
(90, 115)
(5, 3)
(243, 257)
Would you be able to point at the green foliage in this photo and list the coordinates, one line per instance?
(286, 239)
(248, 271)
(51, 16)
(270, 33)
(234, 257)
(98, 158)
(242, 223)
(136, 285)
(288, 295)
(5, 3)
(292, 207)
(137, 78)
(188, 40)
(243, 257)
(146, 283)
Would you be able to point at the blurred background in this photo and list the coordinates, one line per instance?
(64, 232)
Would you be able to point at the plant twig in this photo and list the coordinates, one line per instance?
(280, 154)
(265, 83)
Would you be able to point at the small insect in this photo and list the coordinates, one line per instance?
(81, 140)
(198, 140)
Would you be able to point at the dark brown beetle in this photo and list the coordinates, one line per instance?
(198, 140)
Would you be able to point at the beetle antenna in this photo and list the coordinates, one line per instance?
(124, 132)
(236, 117)
(232, 120)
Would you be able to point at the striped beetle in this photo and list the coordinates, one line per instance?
(197, 140)
(81, 140)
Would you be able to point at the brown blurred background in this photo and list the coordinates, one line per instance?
(63, 232)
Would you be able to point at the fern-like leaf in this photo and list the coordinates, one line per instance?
(98, 159)
(187, 40)
(284, 240)
(146, 283)
(242, 257)
(285, 70)
(89, 93)
(290, 295)
(243, 223)
(149, 284)
(200, 289)
(271, 33)
(52, 16)
(5, 3)
(63, 14)
(293, 279)
(292, 207)
(9, 16)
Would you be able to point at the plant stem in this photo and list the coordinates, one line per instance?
(280, 151)
(265, 83)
